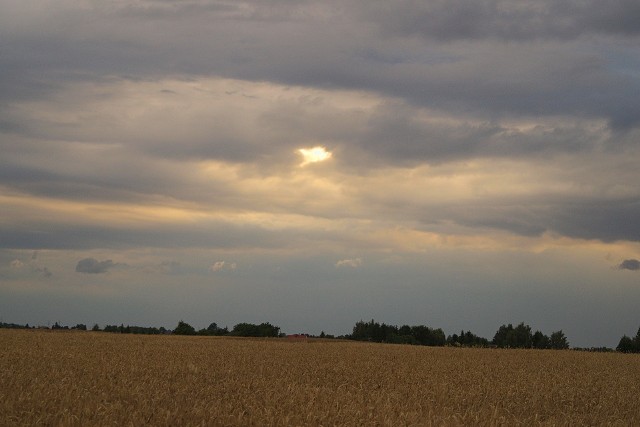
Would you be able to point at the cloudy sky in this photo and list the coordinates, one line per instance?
(459, 164)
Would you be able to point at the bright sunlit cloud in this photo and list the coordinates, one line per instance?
(314, 155)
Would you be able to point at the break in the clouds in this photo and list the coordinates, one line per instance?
(629, 264)
(93, 266)
(280, 136)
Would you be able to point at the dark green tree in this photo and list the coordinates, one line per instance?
(523, 335)
(540, 340)
(368, 331)
(250, 330)
(502, 337)
(266, 329)
(559, 341)
(404, 330)
(626, 345)
(467, 339)
(184, 328)
(214, 329)
(509, 337)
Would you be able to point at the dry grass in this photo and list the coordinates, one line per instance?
(87, 378)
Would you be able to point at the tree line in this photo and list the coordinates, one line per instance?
(521, 337)
(376, 332)
(507, 336)
(265, 329)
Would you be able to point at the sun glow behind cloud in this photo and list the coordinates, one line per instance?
(314, 155)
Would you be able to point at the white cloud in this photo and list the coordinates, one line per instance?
(352, 263)
(17, 264)
(223, 266)
(30, 267)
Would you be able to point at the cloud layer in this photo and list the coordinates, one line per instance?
(206, 131)
(93, 266)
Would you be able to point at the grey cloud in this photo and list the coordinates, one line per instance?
(629, 264)
(613, 220)
(462, 72)
(170, 267)
(99, 172)
(509, 82)
(45, 272)
(608, 221)
(334, 47)
(206, 234)
(398, 134)
(17, 264)
(93, 266)
(505, 19)
(520, 220)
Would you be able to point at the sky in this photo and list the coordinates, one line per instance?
(460, 164)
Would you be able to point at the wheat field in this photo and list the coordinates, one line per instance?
(98, 379)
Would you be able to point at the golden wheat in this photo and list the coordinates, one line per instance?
(98, 379)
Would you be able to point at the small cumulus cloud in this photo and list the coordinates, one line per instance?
(31, 266)
(223, 266)
(351, 263)
(17, 264)
(629, 264)
(93, 266)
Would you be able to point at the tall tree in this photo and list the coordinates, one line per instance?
(626, 345)
(540, 340)
(503, 337)
(184, 328)
(559, 341)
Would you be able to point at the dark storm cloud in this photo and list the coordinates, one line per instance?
(629, 264)
(398, 134)
(93, 266)
(334, 46)
(453, 60)
(505, 19)
(608, 221)
(614, 220)
(207, 234)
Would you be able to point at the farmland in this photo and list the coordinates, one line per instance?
(92, 378)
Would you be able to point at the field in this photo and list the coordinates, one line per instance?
(98, 379)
